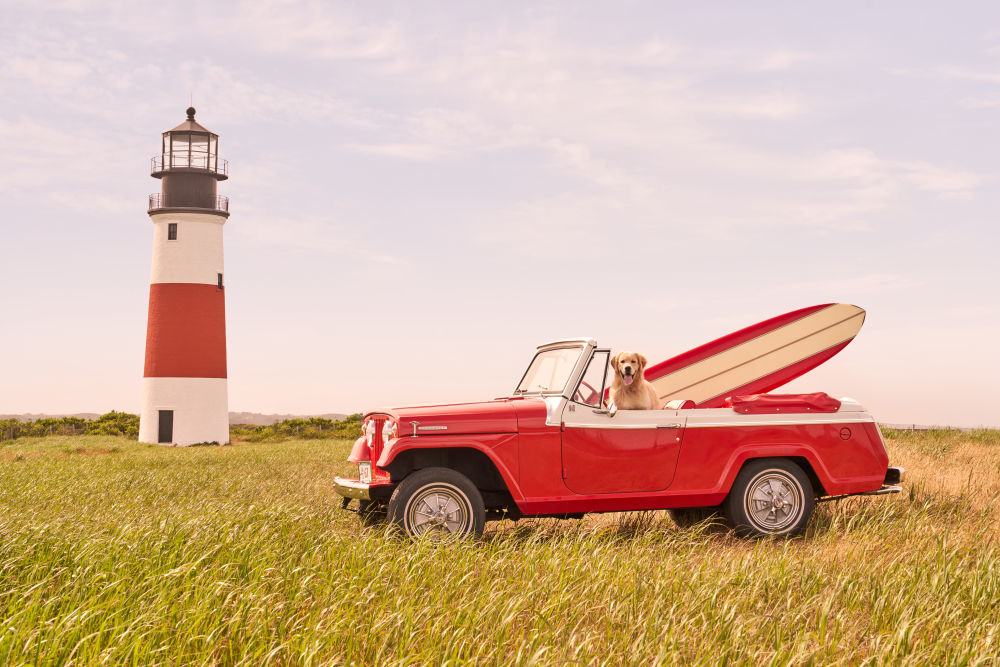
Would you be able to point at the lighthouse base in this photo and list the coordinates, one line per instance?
(184, 411)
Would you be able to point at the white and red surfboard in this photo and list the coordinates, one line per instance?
(759, 358)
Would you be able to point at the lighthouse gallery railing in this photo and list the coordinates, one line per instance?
(160, 200)
(207, 161)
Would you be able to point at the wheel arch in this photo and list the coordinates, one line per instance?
(801, 455)
(492, 480)
(807, 468)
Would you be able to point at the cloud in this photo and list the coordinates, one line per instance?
(782, 59)
(432, 133)
(980, 102)
(549, 229)
(44, 70)
(100, 203)
(579, 159)
(634, 133)
(307, 234)
(865, 166)
(239, 95)
(318, 29)
(865, 284)
(35, 152)
(779, 106)
(405, 151)
(955, 73)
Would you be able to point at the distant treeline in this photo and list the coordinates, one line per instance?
(306, 428)
(123, 423)
(112, 423)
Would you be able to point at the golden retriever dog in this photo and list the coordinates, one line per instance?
(629, 389)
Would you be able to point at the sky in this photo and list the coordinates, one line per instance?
(421, 193)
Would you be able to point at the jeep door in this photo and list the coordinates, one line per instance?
(634, 451)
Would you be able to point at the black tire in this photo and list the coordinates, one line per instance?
(687, 517)
(770, 497)
(437, 503)
(370, 513)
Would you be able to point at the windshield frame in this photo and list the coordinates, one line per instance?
(582, 347)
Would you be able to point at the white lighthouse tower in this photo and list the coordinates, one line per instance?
(184, 388)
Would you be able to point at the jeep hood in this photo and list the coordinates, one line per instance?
(454, 419)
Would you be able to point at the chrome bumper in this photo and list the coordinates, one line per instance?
(895, 475)
(351, 488)
(886, 489)
(883, 491)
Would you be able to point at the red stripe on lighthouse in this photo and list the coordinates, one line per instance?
(186, 332)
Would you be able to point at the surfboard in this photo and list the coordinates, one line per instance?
(759, 358)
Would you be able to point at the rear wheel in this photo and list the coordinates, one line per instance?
(437, 503)
(770, 497)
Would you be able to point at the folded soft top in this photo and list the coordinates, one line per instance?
(756, 404)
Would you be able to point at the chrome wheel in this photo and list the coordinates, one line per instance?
(438, 510)
(770, 497)
(773, 501)
(437, 503)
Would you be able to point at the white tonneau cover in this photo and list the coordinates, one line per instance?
(560, 411)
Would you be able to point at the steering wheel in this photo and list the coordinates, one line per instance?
(585, 398)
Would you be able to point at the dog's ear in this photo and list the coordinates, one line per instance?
(614, 361)
(642, 363)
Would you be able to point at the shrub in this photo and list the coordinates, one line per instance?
(112, 423)
(309, 428)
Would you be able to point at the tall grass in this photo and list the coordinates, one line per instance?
(113, 552)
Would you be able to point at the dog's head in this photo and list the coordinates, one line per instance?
(629, 365)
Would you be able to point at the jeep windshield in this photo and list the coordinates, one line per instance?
(549, 371)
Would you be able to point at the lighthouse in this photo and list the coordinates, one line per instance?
(184, 388)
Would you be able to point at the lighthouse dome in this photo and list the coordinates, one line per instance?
(189, 169)
(190, 146)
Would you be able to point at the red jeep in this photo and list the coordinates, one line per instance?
(556, 449)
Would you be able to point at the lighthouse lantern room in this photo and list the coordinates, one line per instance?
(184, 387)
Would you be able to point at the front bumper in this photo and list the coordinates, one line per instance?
(352, 488)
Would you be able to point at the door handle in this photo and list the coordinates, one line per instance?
(668, 426)
(610, 411)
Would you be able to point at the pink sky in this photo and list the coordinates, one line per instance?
(422, 194)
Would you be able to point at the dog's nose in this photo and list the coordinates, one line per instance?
(628, 370)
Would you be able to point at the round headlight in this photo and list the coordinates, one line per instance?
(370, 432)
(389, 431)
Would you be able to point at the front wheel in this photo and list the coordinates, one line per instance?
(770, 497)
(437, 503)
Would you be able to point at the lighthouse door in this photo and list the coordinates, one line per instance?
(166, 426)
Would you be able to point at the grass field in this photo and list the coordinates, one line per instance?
(117, 553)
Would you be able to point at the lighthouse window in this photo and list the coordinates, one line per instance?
(220, 281)
(171, 231)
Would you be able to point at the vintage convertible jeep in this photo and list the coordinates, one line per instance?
(555, 448)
